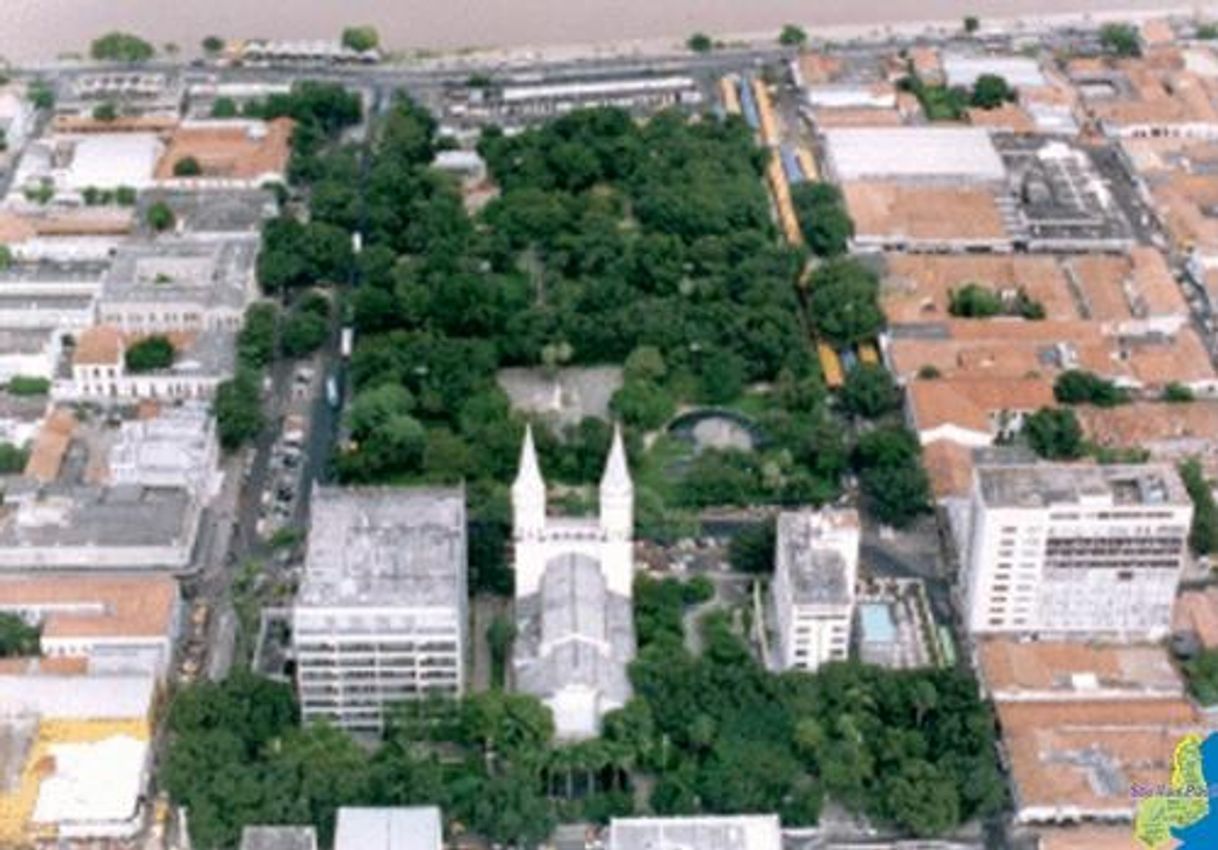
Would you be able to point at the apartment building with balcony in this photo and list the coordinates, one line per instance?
(1070, 550)
(381, 614)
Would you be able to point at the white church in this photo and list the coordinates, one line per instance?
(574, 577)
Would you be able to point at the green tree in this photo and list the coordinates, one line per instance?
(643, 404)
(160, 217)
(361, 39)
(752, 548)
(971, 24)
(921, 799)
(105, 111)
(187, 166)
(499, 637)
(1177, 393)
(1054, 433)
(372, 408)
(27, 385)
(212, 45)
(12, 458)
(991, 91)
(722, 377)
(304, 332)
(121, 47)
(974, 301)
(17, 637)
(6, 257)
(843, 302)
(1202, 674)
(1075, 386)
(870, 392)
(224, 107)
(150, 354)
(41, 95)
(259, 335)
(700, 42)
(792, 36)
(1120, 39)
(1203, 536)
(822, 216)
(238, 408)
(645, 363)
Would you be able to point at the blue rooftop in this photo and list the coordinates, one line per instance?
(876, 619)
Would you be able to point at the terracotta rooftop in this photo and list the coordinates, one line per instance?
(956, 213)
(1009, 116)
(974, 403)
(100, 345)
(58, 666)
(818, 68)
(917, 287)
(50, 446)
(90, 607)
(1066, 669)
(1159, 96)
(1151, 425)
(122, 124)
(949, 466)
(234, 152)
(1089, 837)
(1182, 358)
(1197, 611)
(87, 221)
(1085, 755)
(1118, 288)
(856, 116)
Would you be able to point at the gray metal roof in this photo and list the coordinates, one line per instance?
(1042, 484)
(706, 832)
(219, 273)
(121, 516)
(914, 153)
(379, 546)
(574, 631)
(279, 838)
(402, 828)
(817, 572)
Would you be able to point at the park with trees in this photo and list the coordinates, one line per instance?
(611, 243)
(705, 732)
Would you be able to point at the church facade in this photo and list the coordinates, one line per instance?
(574, 577)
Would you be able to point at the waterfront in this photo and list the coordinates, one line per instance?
(39, 30)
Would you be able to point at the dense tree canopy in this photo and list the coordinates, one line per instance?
(1203, 537)
(1054, 433)
(991, 91)
(823, 219)
(121, 47)
(1075, 386)
(611, 241)
(150, 354)
(17, 637)
(843, 304)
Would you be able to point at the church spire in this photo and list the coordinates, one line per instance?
(528, 473)
(528, 490)
(616, 478)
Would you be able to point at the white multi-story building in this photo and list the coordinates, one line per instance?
(180, 285)
(178, 448)
(574, 582)
(99, 372)
(816, 560)
(1057, 549)
(380, 617)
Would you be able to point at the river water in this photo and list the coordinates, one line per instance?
(38, 30)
